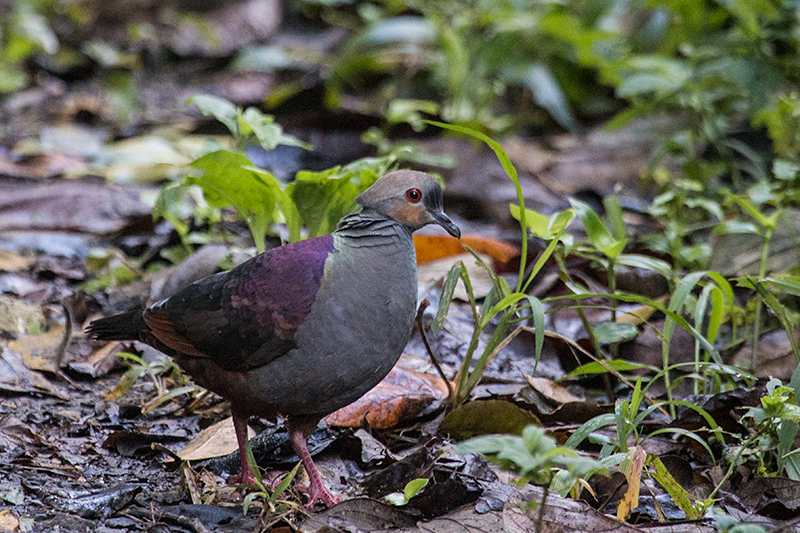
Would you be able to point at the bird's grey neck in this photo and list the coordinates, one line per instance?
(371, 228)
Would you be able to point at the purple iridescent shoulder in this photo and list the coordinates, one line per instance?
(280, 285)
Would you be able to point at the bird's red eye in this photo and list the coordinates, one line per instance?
(413, 195)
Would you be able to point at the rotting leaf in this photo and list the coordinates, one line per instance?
(678, 494)
(358, 514)
(485, 417)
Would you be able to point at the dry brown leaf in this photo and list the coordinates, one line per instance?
(13, 262)
(100, 362)
(8, 521)
(552, 390)
(39, 351)
(400, 396)
(214, 441)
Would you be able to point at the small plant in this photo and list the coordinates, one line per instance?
(411, 489)
(502, 301)
(776, 428)
(270, 495)
(228, 179)
(535, 458)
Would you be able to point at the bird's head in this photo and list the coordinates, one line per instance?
(412, 198)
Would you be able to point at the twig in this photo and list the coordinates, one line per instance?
(423, 305)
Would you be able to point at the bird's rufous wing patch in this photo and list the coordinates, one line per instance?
(163, 329)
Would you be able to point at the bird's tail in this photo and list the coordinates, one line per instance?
(124, 327)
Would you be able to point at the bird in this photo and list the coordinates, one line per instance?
(303, 329)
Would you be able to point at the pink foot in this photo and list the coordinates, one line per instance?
(245, 477)
(317, 491)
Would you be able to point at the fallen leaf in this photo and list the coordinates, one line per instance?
(16, 377)
(17, 315)
(552, 390)
(433, 247)
(632, 468)
(8, 521)
(12, 262)
(402, 395)
(39, 351)
(486, 416)
(214, 441)
(100, 362)
(774, 357)
(564, 515)
(71, 205)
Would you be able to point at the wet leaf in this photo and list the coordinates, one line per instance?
(16, 377)
(39, 351)
(358, 514)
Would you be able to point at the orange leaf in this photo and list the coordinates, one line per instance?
(401, 395)
(433, 247)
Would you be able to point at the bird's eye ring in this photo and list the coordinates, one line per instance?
(413, 195)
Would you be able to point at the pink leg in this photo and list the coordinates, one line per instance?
(317, 490)
(245, 477)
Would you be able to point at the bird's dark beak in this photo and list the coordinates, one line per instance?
(445, 222)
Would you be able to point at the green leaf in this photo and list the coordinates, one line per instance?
(284, 484)
(230, 180)
(268, 133)
(219, 108)
(414, 487)
(589, 427)
(547, 93)
(620, 365)
(323, 198)
(537, 311)
(647, 263)
(614, 215)
(597, 232)
(502, 305)
(446, 298)
(679, 495)
(611, 332)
